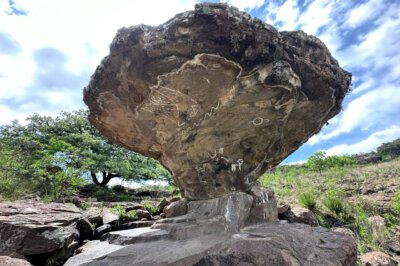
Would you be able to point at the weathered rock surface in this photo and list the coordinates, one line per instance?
(215, 96)
(32, 229)
(300, 215)
(92, 251)
(8, 261)
(377, 258)
(228, 213)
(126, 237)
(175, 208)
(109, 216)
(267, 244)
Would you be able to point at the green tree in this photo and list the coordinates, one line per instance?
(57, 149)
(319, 161)
(389, 150)
(316, 162)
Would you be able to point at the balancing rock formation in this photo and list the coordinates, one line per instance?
(215, 96)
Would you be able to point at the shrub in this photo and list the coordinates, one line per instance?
(104, 194)
(119, 189)
(131, 215)
(308, 200)
(395, 204)
(334, 203)
(389, 150)
(320, 161)
(123, 215)
(153, 210)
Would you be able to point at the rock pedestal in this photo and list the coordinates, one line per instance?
(227, 214)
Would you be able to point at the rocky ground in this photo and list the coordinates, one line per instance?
(49, 233)
(197, 232)
(366, 190)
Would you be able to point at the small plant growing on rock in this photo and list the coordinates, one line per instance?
(153, 210)
(131, 215)
(308, 200)
(123, 215)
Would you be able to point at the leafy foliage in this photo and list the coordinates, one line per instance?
(319, 161)
(153, 210)
(389, 150)
(52, 155)
(123, 215)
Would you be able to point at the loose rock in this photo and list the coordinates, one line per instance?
(176, 208)
(377, 258)
(301, 215)
(8, 261)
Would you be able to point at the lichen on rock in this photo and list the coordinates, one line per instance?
(216, 96)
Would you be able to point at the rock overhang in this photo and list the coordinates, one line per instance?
(215, 96)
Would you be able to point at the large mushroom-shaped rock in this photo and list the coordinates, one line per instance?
(215, 96)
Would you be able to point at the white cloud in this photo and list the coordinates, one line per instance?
(245, 5)
(364, 12)
(316, 16)
(285, 16)
(80, 30)
(371, 143)
(378, 48)
(367, 84)
(370, 109)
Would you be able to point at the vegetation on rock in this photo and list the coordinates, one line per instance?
(344, 194)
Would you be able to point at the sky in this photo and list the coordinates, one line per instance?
(49, 49)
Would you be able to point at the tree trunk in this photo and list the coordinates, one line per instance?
(107, 176)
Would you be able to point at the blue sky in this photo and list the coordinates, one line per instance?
(49, 49)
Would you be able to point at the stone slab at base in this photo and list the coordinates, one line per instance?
(277, 243)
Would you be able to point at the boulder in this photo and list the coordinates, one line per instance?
(94, 215)
(143, 214)
(267, 244)
(85, 229)
(344, 230)
(264, 208)
(105, 228)
(282, 207)
(176, 208)
(393, 244)
(39, 231)
(8, 261)
(216, 96)
(161, 205)
(376, 224)
(377, 258)
(300, 215)
(228, 213)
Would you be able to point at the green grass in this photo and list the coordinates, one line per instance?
(334, 194)
(308, 200)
